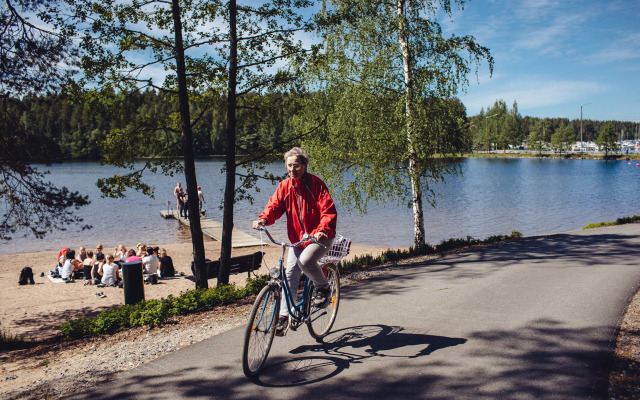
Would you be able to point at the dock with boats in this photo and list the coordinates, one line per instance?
(213, 229)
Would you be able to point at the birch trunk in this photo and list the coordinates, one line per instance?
(414, 167)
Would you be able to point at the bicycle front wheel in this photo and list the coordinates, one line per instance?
(321, 319)
(260, 330)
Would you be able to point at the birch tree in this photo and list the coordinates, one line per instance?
(384, 86)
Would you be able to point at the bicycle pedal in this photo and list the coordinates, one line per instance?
(284, 332)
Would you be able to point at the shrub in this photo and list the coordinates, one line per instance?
(156, 312)
(619, 221)
(79, 327)
(628, 220)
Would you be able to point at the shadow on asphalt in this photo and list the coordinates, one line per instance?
(574, 250)
(355, 345)
(315, 370)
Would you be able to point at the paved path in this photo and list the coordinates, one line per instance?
(534, 319)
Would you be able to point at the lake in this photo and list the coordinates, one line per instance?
(492, 197)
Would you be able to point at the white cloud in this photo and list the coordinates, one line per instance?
(623, 49)
(532, 93)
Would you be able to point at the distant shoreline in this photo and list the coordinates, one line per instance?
(552, 155)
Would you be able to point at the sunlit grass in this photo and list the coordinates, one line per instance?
(619, 221)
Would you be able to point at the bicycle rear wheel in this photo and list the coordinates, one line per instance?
(321, 319)
(260, 330)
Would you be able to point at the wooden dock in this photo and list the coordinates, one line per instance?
(213, 229)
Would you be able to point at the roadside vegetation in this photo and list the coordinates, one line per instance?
(10, 342)
(156, 312)
(619, 221)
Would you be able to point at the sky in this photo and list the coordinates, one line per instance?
(554, 56)
(551, 57)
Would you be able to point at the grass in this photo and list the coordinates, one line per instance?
(157, 312)
(10, 342)
(619, 221)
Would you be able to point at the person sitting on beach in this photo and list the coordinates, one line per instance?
(150, 266)
(87, 267)
(109, 272)
(99, 259)
(142, 250)
(131, 256)
(81, 254)
(99, 255)
(120, 254)
(70, 265)
(62, 257)
(165, 265)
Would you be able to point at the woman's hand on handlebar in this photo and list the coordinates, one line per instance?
(320, 236)
(258, 223)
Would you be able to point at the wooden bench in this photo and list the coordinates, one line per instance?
(240, 264)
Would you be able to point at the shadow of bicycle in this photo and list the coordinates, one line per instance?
(345, 347)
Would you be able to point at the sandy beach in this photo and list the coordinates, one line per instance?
(36, 311)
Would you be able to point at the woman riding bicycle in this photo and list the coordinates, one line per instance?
(310, 210)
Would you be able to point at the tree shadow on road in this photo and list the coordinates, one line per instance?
(541, 360)
(354, 345)
(572, 250)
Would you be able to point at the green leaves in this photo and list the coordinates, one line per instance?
(386, 83)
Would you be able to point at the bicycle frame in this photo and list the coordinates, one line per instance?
(261, 329)
(298, 312)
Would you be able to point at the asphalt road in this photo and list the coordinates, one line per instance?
(535, 319)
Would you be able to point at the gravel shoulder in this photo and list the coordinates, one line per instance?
(44, 371)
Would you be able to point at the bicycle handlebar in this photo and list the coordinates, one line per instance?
(305, 238)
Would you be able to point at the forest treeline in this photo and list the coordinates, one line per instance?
(62, 129)
(65, 130)
(500, 127)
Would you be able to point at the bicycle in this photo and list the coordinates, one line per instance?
(265, 312)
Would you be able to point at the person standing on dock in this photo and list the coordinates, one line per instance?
(176, 194)
(183, 197)
(201, 200)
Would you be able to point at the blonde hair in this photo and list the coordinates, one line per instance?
(299, 153)
(162, 252)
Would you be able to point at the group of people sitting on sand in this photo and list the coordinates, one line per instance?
(100, 269)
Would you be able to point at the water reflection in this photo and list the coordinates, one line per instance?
(493, 196)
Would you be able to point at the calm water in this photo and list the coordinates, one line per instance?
(494, 196)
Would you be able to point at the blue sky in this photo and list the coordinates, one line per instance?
(554, 56)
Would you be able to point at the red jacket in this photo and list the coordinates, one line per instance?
(310, 194)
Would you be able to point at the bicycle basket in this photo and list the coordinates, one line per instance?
(338, 250)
